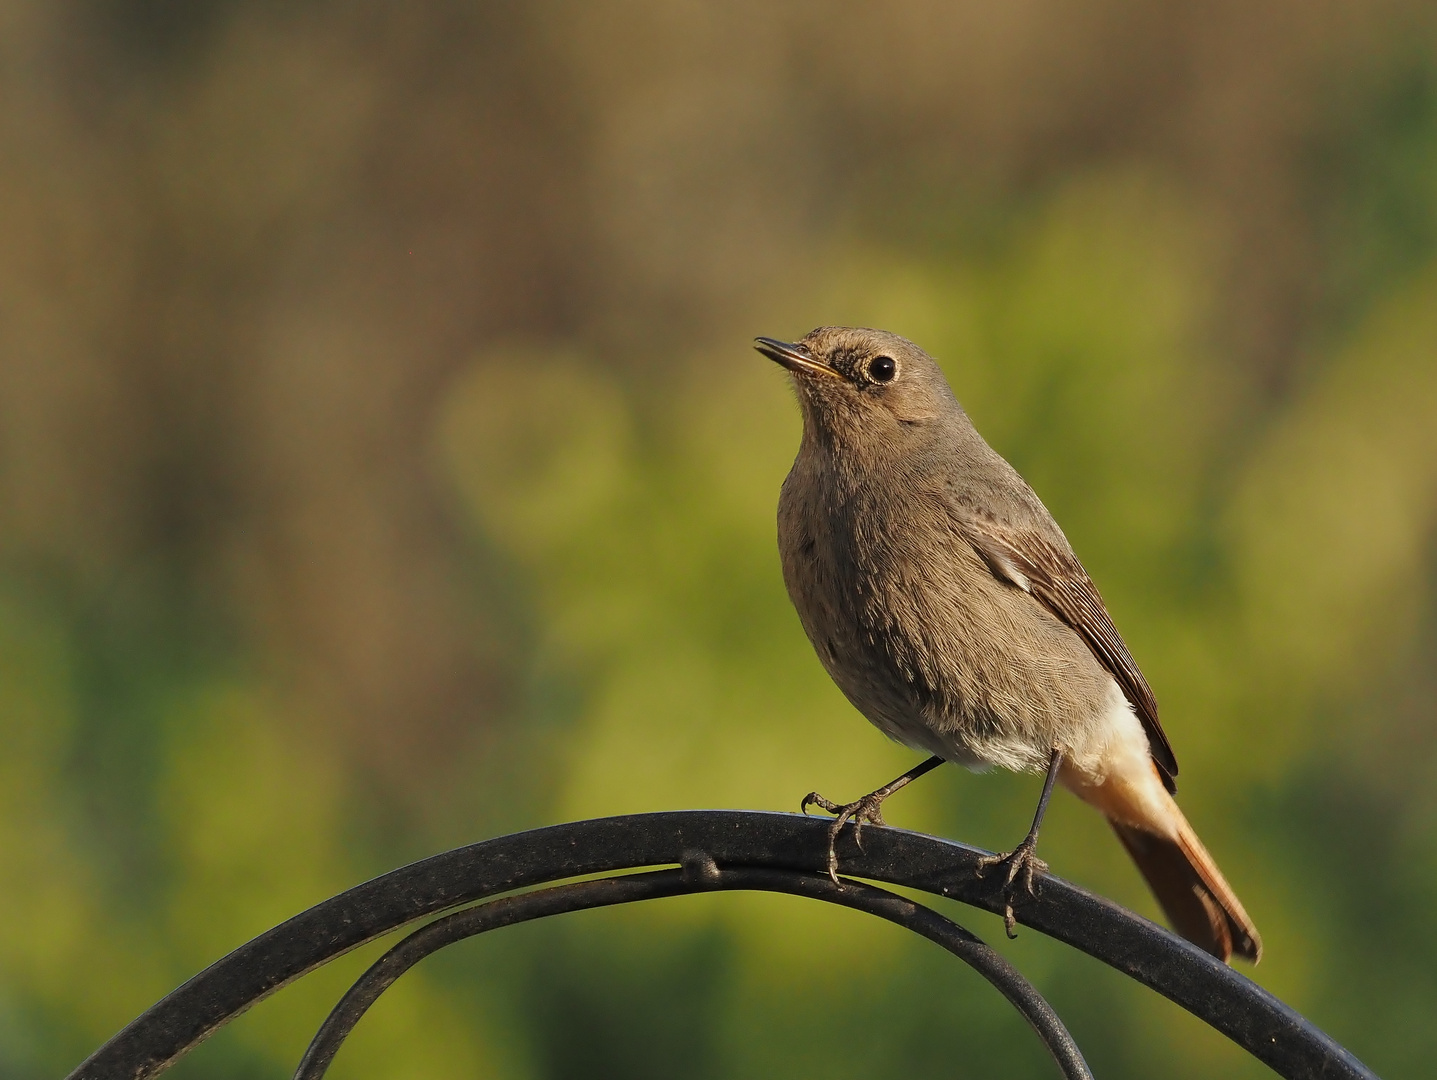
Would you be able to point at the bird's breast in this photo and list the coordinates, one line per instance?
(918, 633)
(881, 583)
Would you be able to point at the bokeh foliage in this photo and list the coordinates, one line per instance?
(383, 466)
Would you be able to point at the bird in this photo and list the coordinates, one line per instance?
(950, 609)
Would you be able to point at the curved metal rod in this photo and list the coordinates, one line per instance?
(1258, 1022)
(699, 876)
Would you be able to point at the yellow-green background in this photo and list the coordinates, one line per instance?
(384, 466)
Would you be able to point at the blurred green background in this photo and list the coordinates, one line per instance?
(384, 466)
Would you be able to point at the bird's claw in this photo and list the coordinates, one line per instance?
(864, 811)
(1021, 860)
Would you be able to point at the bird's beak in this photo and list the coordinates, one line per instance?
(794, 357)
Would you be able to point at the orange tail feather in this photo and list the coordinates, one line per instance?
(1191, 890)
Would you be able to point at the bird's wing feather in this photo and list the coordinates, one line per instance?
(1053, 576)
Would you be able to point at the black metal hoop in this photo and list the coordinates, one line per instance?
(698, 875)
(718, 850)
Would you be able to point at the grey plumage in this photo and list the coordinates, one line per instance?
(946, 602)
(891, 526)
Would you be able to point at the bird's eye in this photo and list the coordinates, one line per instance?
(882, 369)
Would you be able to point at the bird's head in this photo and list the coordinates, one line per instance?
(860, 385)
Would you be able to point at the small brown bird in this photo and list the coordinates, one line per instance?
(949, 608)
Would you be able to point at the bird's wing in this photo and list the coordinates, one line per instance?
(1053, 576)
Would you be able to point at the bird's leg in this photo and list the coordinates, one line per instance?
(1023, 859)
(864, 811)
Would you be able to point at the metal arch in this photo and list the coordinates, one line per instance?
(1225, 999)
(698, 875)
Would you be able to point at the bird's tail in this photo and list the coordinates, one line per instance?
(1197, 899)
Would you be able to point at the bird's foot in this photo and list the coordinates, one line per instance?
(864, 811)
(1022, 860)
